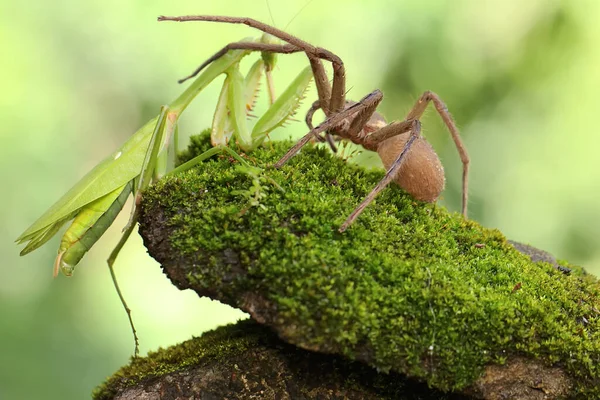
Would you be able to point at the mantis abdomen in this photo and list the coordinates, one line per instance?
(88, 226)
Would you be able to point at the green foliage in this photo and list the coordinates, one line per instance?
(407, 282)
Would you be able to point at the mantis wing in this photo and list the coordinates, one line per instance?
(43, 235)
(112, 173)
(122, 166)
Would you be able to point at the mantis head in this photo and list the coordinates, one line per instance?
(270, 59)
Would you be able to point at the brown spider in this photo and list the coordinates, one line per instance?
(409, 160)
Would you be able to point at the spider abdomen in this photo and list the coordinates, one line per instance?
(421, 173)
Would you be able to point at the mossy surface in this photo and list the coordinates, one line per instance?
(217, 357)
(409, 287)
(212, 346)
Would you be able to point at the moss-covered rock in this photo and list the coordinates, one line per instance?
(245, 361)
(409, 287)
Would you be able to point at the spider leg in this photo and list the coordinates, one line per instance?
(254, 46)
(321, 82)
(362, 117)
(440, 106)
(369, 102)
(308, 119)
(416, 113)
(393, 129)
(311, 112)
(415, 132)
(332, 99)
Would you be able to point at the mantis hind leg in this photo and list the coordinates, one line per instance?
(163, 125)
(206, 155)
(144, 180)
(111, 262)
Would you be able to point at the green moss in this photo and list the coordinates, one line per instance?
(243, 349)
(409, 287)
(214, 345)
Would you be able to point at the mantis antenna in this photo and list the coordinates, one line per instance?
(295, 15)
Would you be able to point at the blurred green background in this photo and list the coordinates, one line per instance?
(521, 79)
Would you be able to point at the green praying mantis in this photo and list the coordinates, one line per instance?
(96, 200)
